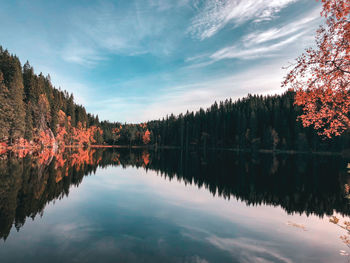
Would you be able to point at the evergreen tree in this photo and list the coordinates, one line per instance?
(71, 109)
(12, 74)
(5, 110)
(28, 135)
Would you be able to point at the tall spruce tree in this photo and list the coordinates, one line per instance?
(5, 110)
(12, 74)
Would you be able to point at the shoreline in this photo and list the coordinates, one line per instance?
(345, 153)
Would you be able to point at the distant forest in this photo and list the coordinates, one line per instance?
(34, 112)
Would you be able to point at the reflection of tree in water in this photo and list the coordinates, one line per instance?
(296, 183)
(314, 185)
(344, 224)
(28, 184)
(345, 238)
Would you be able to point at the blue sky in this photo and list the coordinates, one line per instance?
(139, 60)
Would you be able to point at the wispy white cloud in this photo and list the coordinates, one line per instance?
(237, 51)
(215, 15)
(304, 24)
(104, 29)
(79, 54)
(162, 5)
(268, 43)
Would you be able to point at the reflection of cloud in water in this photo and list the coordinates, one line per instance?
(195, 259)
(72, 232)
(289, 223)
(248, 250)
(240, 249)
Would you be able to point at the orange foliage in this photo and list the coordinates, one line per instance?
(3, 151)
(60, 161)
(61, 133)
(80, 135)
(59, 177)
(145, 157)
(61, 117)
(21, 147)
(3, 147)
(117, 130)
(321, 77)
(46, 139)
(21, 153)
(146, 138)
(45, 156)
(84, 136)
(78, 158)
(116, 159)
(66, 135)
(82, 157)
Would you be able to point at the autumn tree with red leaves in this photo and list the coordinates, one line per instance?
(321, 75)
(146, 138)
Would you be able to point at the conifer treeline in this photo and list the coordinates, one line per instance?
(254, 122)
(32, 109)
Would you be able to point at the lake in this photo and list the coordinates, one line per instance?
(121, 205)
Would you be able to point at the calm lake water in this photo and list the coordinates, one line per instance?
(111, 205)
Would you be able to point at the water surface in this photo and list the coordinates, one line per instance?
(171, 206)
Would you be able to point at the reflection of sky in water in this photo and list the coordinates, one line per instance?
(132, 216)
